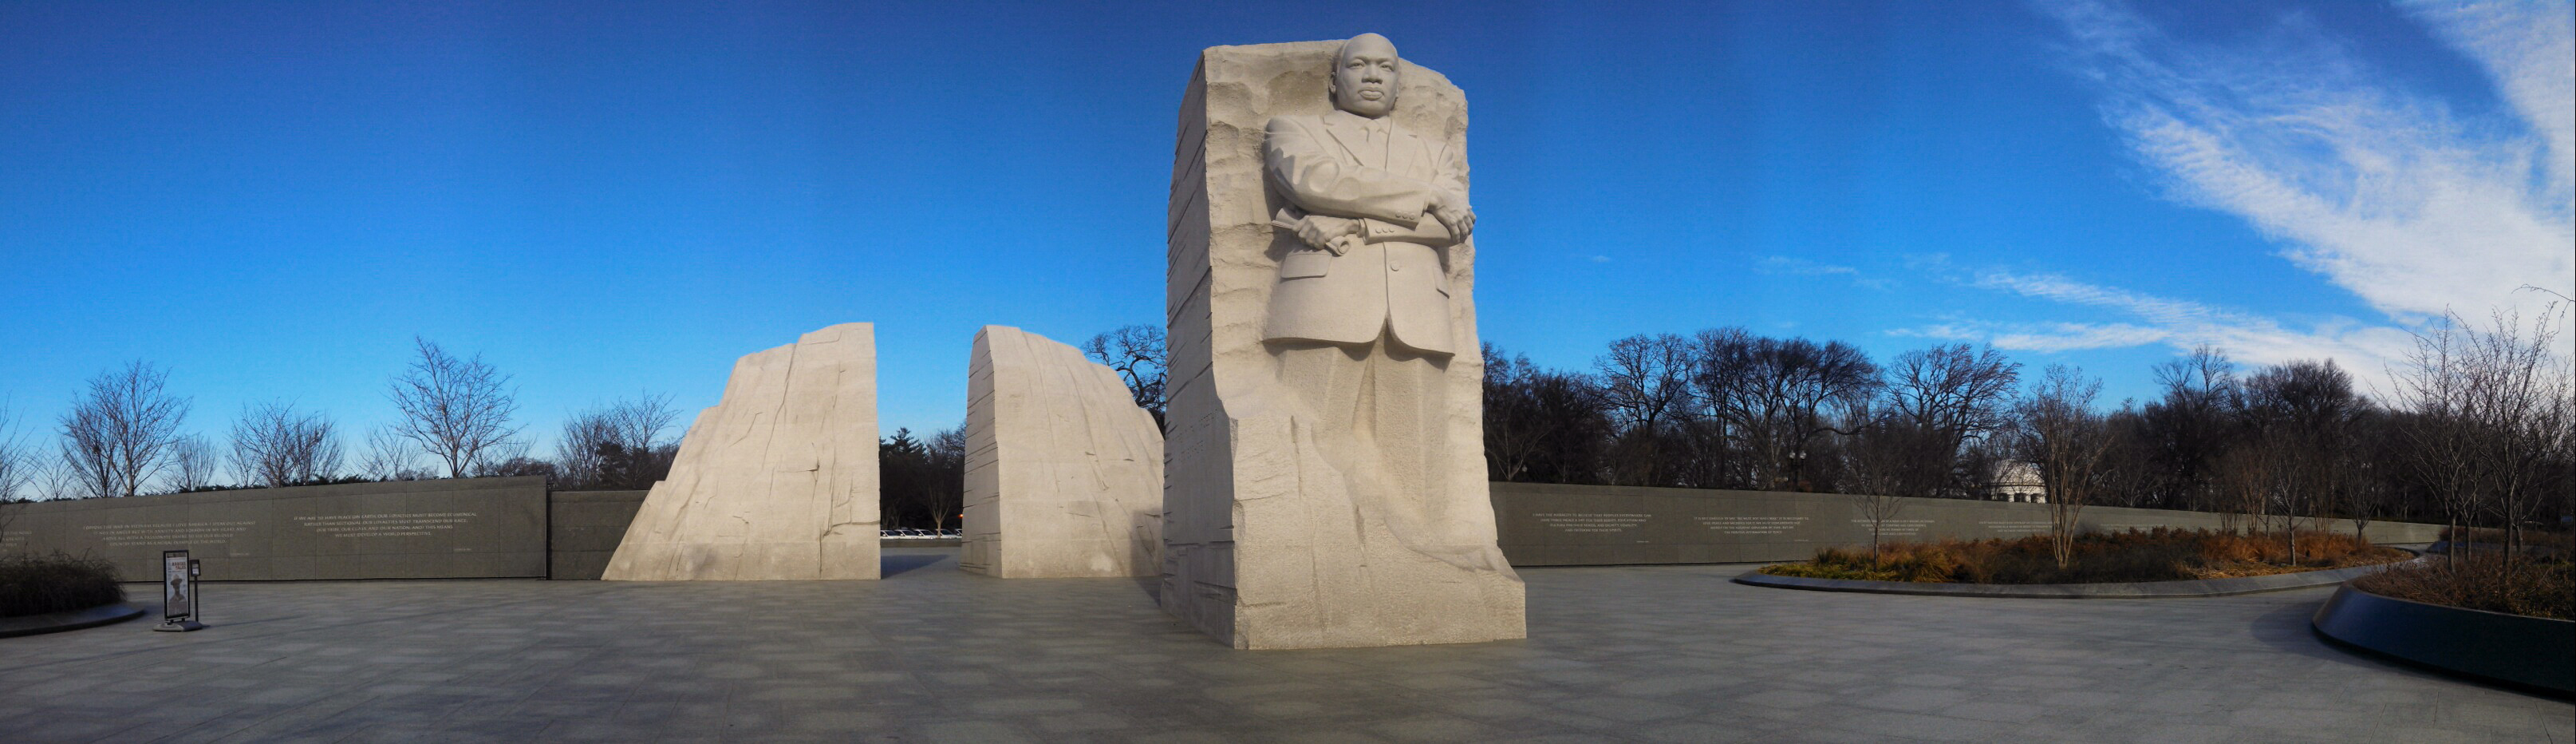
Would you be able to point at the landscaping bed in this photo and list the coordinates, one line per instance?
(2158, 555)
(2523, 651)
(2485, 582)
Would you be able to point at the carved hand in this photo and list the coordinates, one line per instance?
(1452, 212)
(1325, 232)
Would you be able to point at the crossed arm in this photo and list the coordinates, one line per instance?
(1349, 202)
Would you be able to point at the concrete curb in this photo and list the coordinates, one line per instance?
(2131, 590)
(2534, 653)
(56, 622)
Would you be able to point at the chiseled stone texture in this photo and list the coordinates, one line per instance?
(1265, 546)
(778, 480)
(1064, 474)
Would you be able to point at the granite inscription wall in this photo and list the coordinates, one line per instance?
(466, 528)
(1561, 525)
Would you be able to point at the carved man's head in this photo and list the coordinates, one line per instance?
(1364, 79)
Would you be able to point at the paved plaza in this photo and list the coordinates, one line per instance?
(932, 654)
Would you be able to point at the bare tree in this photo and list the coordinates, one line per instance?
(19, 463)
(1934, 403)
(617, 445)
(390, 456)
(1645, 384)
(118, 433)
(19, 468)
(1773, 397)
(2492, 428)
(457, 410)
(1882, 456)
(946, 497)
(193, 462)
(2057, 430)
(1139, 355)
(2301, 416)
(509, 458)
(2190, 428)
(274, 446)
(1541, 425)
(55, 479)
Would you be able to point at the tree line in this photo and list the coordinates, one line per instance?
(2479, 428)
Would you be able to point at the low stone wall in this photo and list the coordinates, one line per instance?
(513, 528)
(1561, 525)
(435, 529)
(582, 530)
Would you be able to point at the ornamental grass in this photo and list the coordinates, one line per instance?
(2160, 554)
(35, 584)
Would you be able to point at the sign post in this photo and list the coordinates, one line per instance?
(178, 593)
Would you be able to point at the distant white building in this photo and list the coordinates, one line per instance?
(2016, 481)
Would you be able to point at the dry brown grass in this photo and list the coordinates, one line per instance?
(2160, 554)
(2483, 581)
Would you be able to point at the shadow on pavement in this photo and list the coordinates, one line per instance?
(895, 564)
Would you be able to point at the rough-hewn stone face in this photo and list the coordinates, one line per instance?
(1064, 474)
(1267, 544)
(778, 480)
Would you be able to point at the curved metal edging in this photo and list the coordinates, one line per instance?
(57, 622)
(2130, 590)
(2530, 652)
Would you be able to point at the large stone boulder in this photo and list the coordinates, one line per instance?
(1064, 474)
(778, 480)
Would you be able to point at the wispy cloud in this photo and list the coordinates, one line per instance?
(2181, 324)
(2382, 191)
(1799, 267)
(2044, 337)
(1790, 266)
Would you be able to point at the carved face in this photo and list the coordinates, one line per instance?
(1364, 77)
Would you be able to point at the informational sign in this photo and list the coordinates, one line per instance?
(178, 593)
(178, 599)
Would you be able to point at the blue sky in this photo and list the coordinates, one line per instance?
(272, 200)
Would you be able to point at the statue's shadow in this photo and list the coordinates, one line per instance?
(890, 565)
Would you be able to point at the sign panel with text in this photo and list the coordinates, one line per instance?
(177, 595)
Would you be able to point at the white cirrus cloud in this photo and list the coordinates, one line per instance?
(2368, 349)
(2044, 337)
(1791, 266)
(1799, 267)
(2382, 191)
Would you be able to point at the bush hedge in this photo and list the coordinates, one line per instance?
(33, 584)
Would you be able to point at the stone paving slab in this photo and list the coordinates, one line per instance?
(930, 654)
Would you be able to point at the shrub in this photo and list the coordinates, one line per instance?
(2483, 581)
(2161, 554)
(32, 584)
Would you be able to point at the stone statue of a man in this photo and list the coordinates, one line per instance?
(1374, 205)
(1360, 320)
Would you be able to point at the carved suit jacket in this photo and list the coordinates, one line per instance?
(1396, 279)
